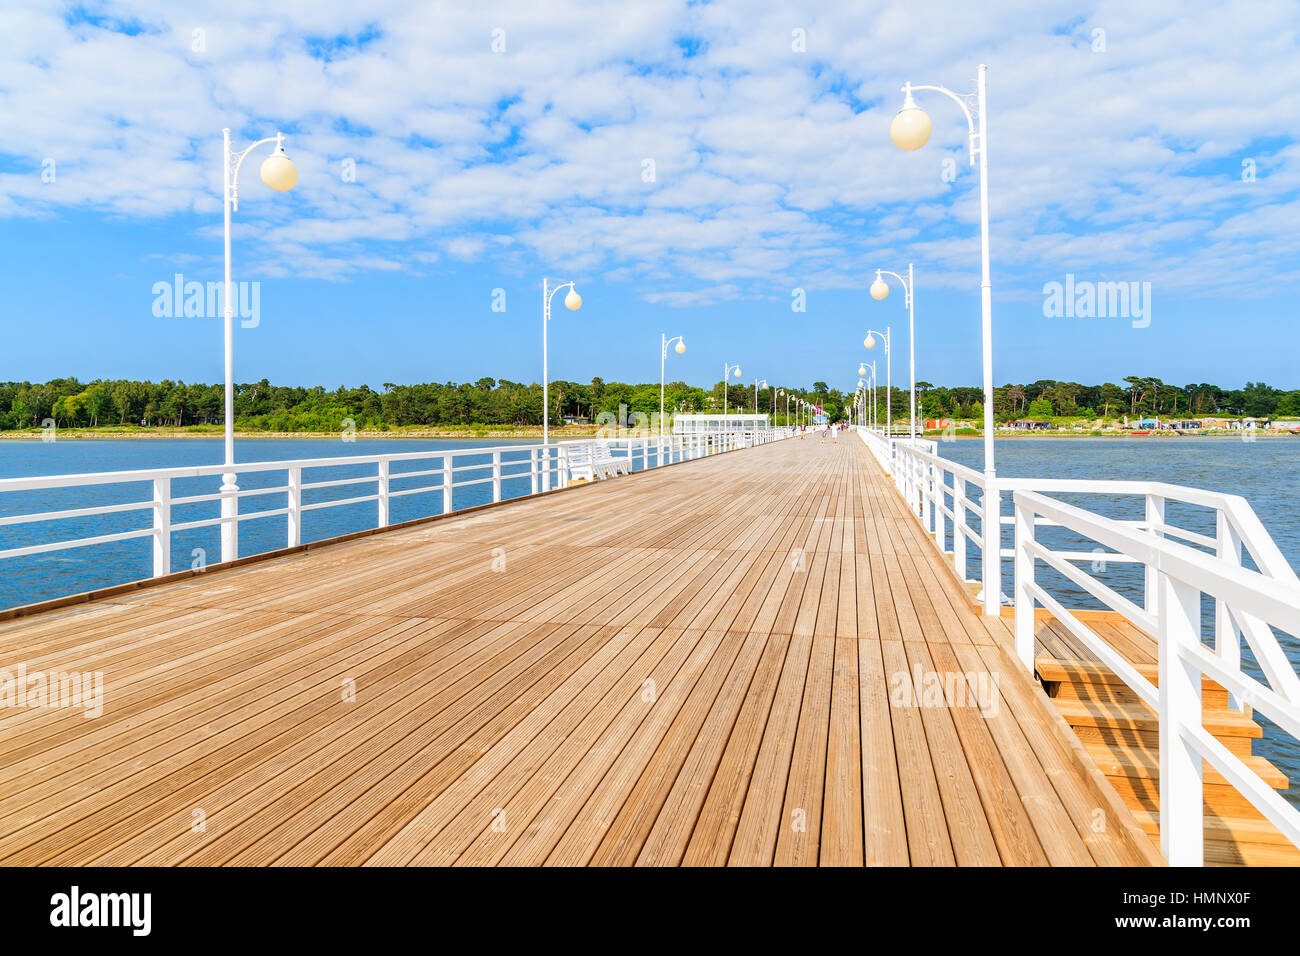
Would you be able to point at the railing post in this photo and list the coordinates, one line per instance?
(546, 467)
(1182, 821)
(917, 506)
(959, 523)
(448, 477)
(294, 506)
(230, 518)
(1155, 515)
(162, 526)
(927, 492)
(1024, 577)
(1227, 636)
(991, 557)
(940, 501)
(562, 466)
(496, 476)
(381, 479)
(532, 469)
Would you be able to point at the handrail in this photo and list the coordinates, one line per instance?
(540, 465)
(1182, 575)
(1179, 565)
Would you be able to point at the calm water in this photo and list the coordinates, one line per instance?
(1265, 472)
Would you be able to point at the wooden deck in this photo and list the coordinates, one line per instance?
(688, 666)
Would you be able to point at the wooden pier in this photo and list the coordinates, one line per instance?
(700, 664)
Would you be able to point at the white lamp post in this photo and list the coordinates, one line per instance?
(909, 130)
(572, 302)
(664, 342)
(727, 370)
(880, 289)
(871, 390)
(279, 173)
(870, 342)
(758, 383)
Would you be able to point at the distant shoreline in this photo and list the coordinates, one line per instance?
(559, 433)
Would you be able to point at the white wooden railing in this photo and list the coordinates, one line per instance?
(1248, 604)
(1179, 566)
(437, 473)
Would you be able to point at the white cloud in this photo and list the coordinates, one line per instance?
(772, 167)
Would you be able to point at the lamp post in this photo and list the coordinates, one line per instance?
(664, 342)
(280, 174)
(863, 369)
(727, 370)
(880, 289)
(909, 130)
(870, 342)
(758, 383)
(572, 302)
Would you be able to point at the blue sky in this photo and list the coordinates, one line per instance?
(1148, 153)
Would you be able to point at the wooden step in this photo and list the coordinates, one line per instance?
(1139, 717)
(1089, 680)
(1212, 698)
(1056, 669)
(1250, 854)
(1148, 739)
(1131, 762)
(1223, 800)
(1219, 830)
(1122, 735)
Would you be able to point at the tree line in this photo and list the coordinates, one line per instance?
(1139, 396)
(261, 406)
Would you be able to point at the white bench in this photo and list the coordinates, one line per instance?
(592, 460)
(606, 461)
